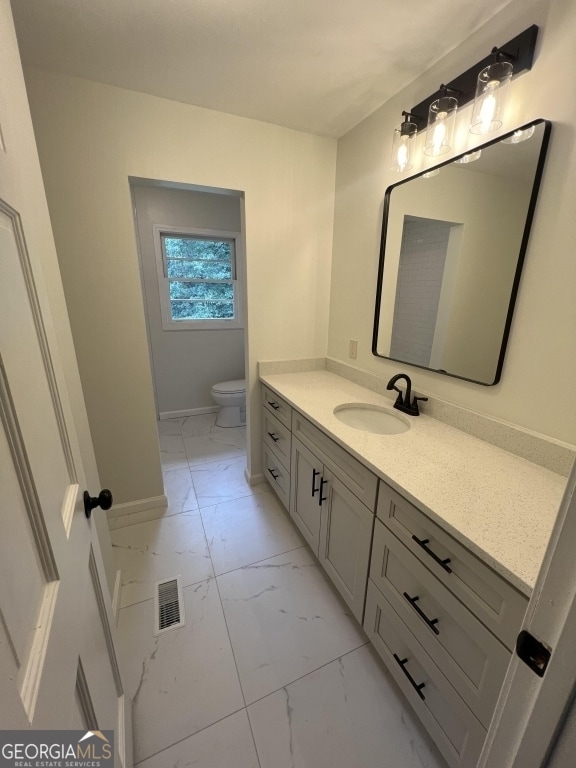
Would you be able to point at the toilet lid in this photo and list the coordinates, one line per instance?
(230, 387)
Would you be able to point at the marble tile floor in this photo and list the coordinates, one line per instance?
(270, 669)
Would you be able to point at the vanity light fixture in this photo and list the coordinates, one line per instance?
(441, 119)
(520, 135)
(484, 83)
(489, 99)
(401, 145)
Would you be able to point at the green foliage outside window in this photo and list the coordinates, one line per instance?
(200, 272)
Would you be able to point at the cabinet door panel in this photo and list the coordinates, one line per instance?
(304, 493)
(345, 537)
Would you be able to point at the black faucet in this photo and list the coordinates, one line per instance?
(404, 402)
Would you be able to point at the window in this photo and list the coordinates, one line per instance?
(198, 277)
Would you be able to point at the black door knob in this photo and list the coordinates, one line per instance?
(103, 500)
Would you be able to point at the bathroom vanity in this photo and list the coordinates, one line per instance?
(433, 538)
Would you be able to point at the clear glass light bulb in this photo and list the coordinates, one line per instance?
(488, 108)
(439, 133)
(403, 155)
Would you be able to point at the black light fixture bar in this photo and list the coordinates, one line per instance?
(519, 50)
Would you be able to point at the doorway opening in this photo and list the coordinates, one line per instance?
(191, 248)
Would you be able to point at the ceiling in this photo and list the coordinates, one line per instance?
(320, 66)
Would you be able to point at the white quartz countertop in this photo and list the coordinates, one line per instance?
(500, 506)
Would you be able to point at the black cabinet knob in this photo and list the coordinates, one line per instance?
(103, 500)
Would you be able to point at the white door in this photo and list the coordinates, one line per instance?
(58, 664)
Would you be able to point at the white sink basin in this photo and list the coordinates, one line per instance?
(371, 418)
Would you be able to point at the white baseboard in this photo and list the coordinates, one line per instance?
(255, 479)
(154, 502)
(116, 596)
(188, 412)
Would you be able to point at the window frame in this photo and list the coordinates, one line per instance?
(168, 323)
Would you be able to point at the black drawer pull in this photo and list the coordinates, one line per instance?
(433, 555)
(420, 612)
(315, 473)
(275, 476)
(273, 436)
(417, 688)
(273, 405)
(320, 497)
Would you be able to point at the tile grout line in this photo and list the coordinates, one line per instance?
(226, 623)
(231, 646)
(248, 565)
(191, 736)
(184, 586)
(216, 461)
(311, 672)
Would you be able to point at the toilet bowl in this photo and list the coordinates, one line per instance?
(231, 397)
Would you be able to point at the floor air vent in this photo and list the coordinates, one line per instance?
(169, 606)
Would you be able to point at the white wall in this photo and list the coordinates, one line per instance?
(185, 363)
(539, 374)
(91, 138)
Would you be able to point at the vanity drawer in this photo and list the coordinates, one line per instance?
(277, 437)
(277, 406)
(278, 476)
(351, 472)
(497, 604)
(472, 659)
(456, 731)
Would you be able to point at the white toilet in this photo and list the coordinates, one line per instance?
(231, 397)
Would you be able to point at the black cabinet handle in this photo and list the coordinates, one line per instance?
(315, 474)
(417, 687)
(420, 612)
(273, 436)
(422, 543)
(320, 497)
(103, 500)
(274, 405)
(275, 476)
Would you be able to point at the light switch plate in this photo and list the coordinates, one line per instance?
(353, 349)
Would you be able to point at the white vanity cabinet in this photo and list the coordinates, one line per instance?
(443, 622)
(332, 499)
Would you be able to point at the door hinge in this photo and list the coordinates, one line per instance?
(532, 652)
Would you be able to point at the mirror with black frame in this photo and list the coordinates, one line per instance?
(453, 244)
